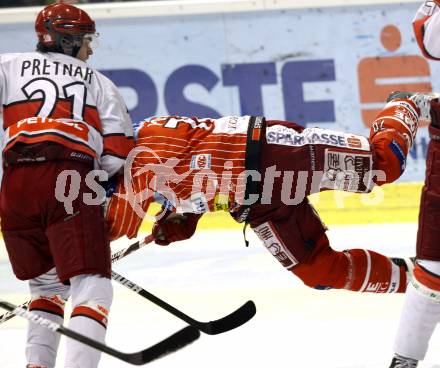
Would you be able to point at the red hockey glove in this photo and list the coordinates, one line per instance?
(392, 135)
(174, 227)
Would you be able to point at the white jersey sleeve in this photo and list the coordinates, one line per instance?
(426, 25)
(117, 126)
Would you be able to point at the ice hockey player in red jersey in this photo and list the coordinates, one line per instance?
(262, 171)
(421, 309)
(60, 116)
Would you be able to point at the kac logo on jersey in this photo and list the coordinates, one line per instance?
(200, 162)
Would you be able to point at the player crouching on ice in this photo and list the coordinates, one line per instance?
(201, 165)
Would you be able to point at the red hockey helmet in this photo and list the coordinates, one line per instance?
(61, 28)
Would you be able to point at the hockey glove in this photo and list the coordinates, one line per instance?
(173, 227)
(392, 135)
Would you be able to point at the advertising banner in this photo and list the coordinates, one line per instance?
(330, 67)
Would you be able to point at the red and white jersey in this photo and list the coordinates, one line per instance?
(58, 98)
(426, 25)
(195, 165)
(198, 165)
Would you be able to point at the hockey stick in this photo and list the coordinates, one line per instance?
(115, 257)
(172, 343)
(226, 323)
(233, 320)
(8, 315)
(132, 248)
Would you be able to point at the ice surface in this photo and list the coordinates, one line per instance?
(212, 274)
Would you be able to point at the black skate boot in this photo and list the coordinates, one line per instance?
(407, 263)
(402, 362)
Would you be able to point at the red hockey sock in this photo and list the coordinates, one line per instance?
(53, 305)
(372, 272)
(354, 269)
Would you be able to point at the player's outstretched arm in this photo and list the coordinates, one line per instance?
(393, 133)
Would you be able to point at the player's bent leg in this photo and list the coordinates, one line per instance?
(421, 311)
(324, 268)
(92, 296)
(296, 236)
(355, 269)
(81, 251)
(48, 296)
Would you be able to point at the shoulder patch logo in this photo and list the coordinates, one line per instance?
(200, 162)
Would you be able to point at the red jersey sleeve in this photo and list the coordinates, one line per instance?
(129, 204)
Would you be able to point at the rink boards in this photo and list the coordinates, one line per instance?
(392, 203)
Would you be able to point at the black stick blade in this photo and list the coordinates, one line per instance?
(231, 321)
(174, 342)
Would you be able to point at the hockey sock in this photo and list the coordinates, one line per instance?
(420, 315)
(42, 344)
(354, 269)
(372, 272)
(91, 299)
